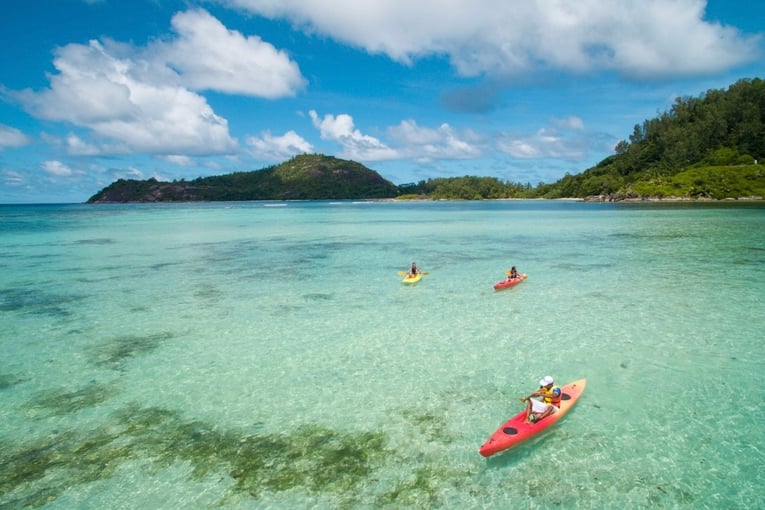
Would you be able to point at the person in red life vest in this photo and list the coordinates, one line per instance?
(543, 402)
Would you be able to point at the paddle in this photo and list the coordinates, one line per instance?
(402, 273)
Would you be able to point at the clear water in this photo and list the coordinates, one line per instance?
(261, 355)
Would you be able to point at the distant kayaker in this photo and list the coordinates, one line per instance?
(512, 274)
(543, 402)
(414, 270)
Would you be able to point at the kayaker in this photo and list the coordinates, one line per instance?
(512, 274)
(543, 402)
(414, 270)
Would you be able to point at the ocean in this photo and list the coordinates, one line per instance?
(266, 354)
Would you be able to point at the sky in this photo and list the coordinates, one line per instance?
(92, 91)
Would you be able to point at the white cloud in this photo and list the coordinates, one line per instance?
(144, 100)
(56, 168)
(355, 145)
(277, 148)
(639, 38)
(179, 160)
(442, 143)
(12, 137)
(76, 146)
(408, 140)
(91, 86)
(98, 90)
(208, 56)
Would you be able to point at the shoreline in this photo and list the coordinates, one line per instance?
(623, 198)
(591, 198)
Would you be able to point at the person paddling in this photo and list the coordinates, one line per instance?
(543, 402)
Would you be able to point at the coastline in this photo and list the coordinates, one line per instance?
(628, 198)
(591, 198)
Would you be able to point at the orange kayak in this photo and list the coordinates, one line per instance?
(511, 282)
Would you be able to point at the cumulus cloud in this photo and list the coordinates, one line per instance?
(407, 140)
(208, 56)
(638, 38)
(277, 148)
(355, 145)
(145, 99)
(427, 144)
(12, 137)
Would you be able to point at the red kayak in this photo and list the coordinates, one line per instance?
(516, 430)
(510, 282)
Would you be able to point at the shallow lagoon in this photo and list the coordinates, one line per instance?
(251, 356)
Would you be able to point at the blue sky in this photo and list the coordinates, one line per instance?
(96, 90)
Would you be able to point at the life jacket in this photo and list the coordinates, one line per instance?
(552, 396)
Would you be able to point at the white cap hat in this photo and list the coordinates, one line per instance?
(546, 380)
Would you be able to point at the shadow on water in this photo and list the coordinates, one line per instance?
(95, 241)
(60, 402)
(37, 302)
(318, 296)
(115, 352)
(9, 380)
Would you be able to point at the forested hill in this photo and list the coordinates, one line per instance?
(305, 177)
(710, 146)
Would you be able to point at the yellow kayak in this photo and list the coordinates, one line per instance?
(412, 279)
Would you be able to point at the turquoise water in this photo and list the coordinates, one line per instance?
(263, 355)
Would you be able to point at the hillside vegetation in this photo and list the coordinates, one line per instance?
(304, 177)
(711, 146)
